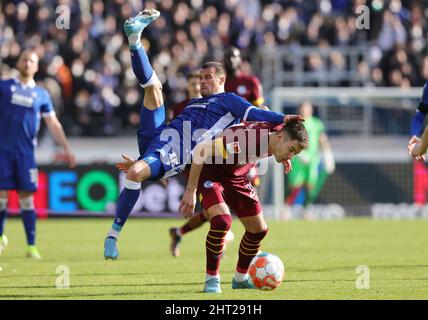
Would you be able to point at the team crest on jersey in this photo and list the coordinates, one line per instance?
(212, 100)
(233, 148)
(208, 184)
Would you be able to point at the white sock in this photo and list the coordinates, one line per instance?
(209, 277)
(240, 276)
(134, 39)
(113, 233)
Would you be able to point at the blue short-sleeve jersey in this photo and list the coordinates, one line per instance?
(21, 108)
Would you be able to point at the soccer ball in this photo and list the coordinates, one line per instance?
(266, 271)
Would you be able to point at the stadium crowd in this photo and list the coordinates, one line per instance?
(87, 67)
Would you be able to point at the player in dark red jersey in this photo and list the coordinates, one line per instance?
(246, 85)
(193, 92)
(224, 181)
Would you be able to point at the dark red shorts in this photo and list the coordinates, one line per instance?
(239, 195)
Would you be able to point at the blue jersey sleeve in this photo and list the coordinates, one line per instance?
(419, 117)
(245, 111)
(417, 122)
(46, 108)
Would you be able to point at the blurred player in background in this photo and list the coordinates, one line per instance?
(309, 169)
(161, 158)
(248, 87)
(224, 184)
(193, 92)
(22, 104)
(416, 147)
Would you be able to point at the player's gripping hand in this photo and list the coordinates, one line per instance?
(125, 165)
(188, 203)
(414, 149)
(293, 117)
(418, 153)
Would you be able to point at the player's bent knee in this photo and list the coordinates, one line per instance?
(27, 203)
(138, 172)
(221, 222)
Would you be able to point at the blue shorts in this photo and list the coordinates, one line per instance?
(150, 145)
(18, 171)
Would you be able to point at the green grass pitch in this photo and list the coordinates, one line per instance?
(320, 259)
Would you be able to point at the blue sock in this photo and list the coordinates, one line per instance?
(141, 65)
(2, 220)
(29, 220)
(127, 199)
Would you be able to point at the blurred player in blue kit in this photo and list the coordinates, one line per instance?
(165, 150)
(22, 105)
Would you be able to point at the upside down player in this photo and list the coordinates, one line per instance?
(165, 150)
(246, 86)
(225, 185)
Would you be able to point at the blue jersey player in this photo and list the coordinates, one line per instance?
(418, 153)
(166, 149)
(22, 105)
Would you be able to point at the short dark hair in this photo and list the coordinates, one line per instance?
(297, 131)
(220, 70)
(193, 74)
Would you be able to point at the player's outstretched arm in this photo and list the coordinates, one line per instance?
(57, 131)
(247, 112)
(200, 154)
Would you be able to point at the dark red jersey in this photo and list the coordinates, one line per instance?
(177, 109)
(247, 86)
(238, 148)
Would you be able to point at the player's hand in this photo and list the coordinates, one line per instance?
(417, 152)
(413, 140)
(70, 158)
(287, 166)
(293, 117)
(414, 150)
(164, 182)
(125, 165)
(188, 202)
